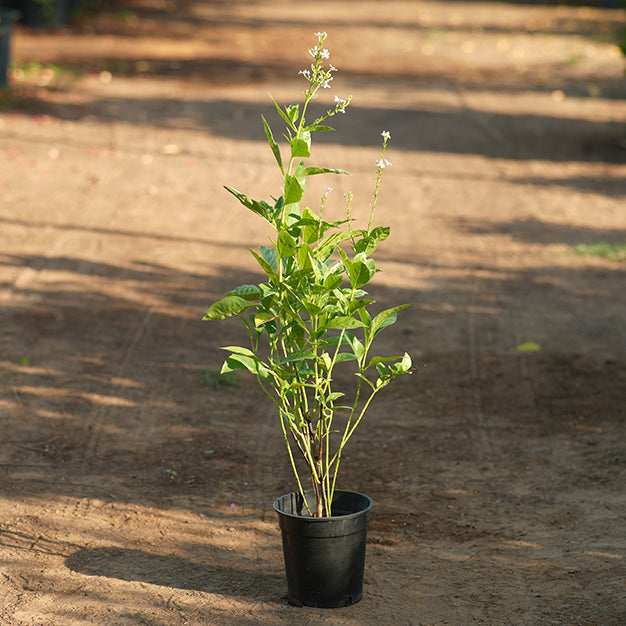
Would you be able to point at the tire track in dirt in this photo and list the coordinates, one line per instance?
(102, 413)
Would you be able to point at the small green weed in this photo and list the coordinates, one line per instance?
(602, 249)
(215, 378)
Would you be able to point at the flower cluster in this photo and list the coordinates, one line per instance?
(383, 162)
(320, 77)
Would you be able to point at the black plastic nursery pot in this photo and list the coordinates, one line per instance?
(43, 13)
(7, 18)
(324, 556)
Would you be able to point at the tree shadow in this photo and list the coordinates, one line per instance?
(537, 231)
(99, 360)
(131, 19)
(448, 130)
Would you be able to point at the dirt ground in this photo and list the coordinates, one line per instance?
(134, 491)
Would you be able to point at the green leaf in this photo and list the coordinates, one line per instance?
(346, 356)
(249, 292)
(271, 256)
(332, 397)
(361, 271)
(328, 245)
(402, 367)
(267, 267)
(293, 190)
(318, 127)
(529, 346)
(292, 112)
(357, 347)
(380, 233)
(344, 322)
(273, 145)
(386, 318)
(378, 361)
(238, 361)
(282, 113)
(262, 318)
(312, 171)
(300, 355)
(240, 350)
(332, 282)
(370, 241)
(227, 307)
(286, 244)
(260, 208)
(301, 147)
(305, 258)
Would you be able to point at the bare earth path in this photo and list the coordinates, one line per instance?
(134, 492)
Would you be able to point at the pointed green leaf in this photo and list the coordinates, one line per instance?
(243, 362)
(344, 322)
(378, 361)
(332, 282)
(345, 356)
(301, 147)
(227, 307)
(259, 207)
(357, 347)
(273, 145)
(401, 367)
(293, 190)
(271, 256)
(370, 241)
(282, 113)
(292, 112)
(361, 271)
(328, 245)
(386, 318)
(249, 292)
(286, 244)
(262, 318)
(267, 267)
(300, 355)
(319, 127)
(312, 171)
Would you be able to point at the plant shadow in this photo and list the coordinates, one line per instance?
(172, 571)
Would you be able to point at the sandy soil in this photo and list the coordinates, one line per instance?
(135, 492)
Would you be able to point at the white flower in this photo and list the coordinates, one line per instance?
(326, 83)
(341, 104)
(320, 35)
(305, 73)
(382, 163)
(329, 189)
(386, 134)
(325, 54)
(333, 68)
(313, 51)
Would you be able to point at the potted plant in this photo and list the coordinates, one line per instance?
(310, 317)
(7, 18)
(44, 13)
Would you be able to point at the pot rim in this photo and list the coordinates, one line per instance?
(366, 509)
(9, 14)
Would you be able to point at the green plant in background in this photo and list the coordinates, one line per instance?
(603, 249)
(311, 315)
(622, 44)
(217, 379)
